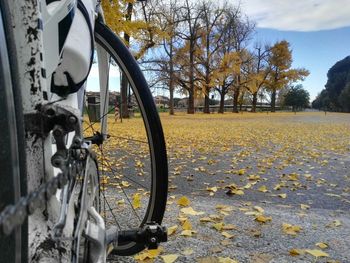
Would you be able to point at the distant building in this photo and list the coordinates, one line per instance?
(94, 97)
(161, 101)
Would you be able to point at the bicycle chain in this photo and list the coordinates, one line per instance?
(60, 121)
(14, 215)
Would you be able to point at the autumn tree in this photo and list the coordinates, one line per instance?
(129, 19)
(208, 44)
(241, 29)
(162, 61)
(186, 55)
(223, 76)
(257, 71)
(281, 73)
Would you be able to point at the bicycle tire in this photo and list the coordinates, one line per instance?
(159, 182)
(12, 157)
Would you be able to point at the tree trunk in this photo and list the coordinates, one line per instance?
(124, 107)
(190, 108)
(273, 101)
(255, 100)
(171, 81)
(124, 83)
(222, 102)
(171, 100)
(235, 100)
(206, 102)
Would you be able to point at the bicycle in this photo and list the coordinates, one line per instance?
(54, 175)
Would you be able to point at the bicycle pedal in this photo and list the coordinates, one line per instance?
(151, 234)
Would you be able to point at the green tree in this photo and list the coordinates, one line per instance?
(344, 98)
(297, 97)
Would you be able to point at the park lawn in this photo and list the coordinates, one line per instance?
(243, 183)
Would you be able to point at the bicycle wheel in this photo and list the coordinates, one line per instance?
(12, 159)
(132, 160)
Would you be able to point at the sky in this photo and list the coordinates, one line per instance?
(318, 31)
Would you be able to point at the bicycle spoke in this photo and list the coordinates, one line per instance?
(121, 187)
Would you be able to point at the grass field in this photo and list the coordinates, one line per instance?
(267, 187)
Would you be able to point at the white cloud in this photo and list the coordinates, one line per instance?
(298, 15)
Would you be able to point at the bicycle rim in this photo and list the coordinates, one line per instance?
(12, 164)
(134, 169)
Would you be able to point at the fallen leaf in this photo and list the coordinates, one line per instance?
(262, 219)
(206, 219)
(316, 253)
(148, 254)
(304, 207)
(227, 260)
(241, 171)
(208, 260)
(296, 252)
(290, 229)
(235, 192)
(253, 177)
(322, 245)
(259, 209)
(283, 196)
(218, 226)
(187, 225)
(169, 258)
(191, 211)
(183, 201)
(227, 235)
(172, 230)
(136, 200)
(229, 227)
(226, 242)
(187, 233)
(263, 189)
(187, 252)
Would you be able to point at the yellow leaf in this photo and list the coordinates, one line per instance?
(241, 171)
(218, 226)
(121, 202)
(262, 219)
(248, 186)
(282, 196)
(190, 211)
(212, 189)
(227, 235)
(172, 230)
(169, 258)
(125, 184)
(229, 227)
(259, 209)
(290, 229)
(316, 253)
(253, 177)
(187, 225)
(148, 254)
(136, 200)
(183, 201)
(205, 219)
(304, 207)
(235, 192)
(227, 260)
(322, 245)
(263, 189)
(337, 223)
(296, 252)
(187, 252)
(182, 219)
(187, 233)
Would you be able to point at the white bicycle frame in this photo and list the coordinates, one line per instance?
(38, 57)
